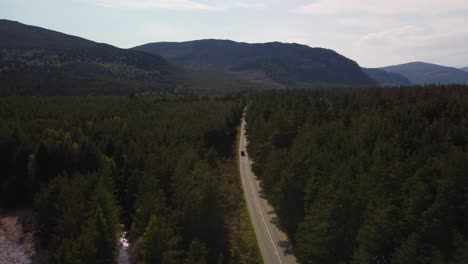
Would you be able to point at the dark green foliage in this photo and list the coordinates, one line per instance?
(79, 212)
(152, 164)
(366, 175)
(197, 253)
(152, 243)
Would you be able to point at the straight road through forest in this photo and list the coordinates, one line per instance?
(274, 244)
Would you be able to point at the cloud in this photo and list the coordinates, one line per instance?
(395, 37)
(416, 42)
(182, 5)
(438, 33)
(367, 22)
(178, 5)
(244, 5)
(380, 32)
(330, 7)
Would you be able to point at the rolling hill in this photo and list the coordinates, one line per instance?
(464, 69)
(385, 78)
(39, 61)
(425, 73)
(276, 64)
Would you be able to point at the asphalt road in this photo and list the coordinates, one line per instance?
(274, 244)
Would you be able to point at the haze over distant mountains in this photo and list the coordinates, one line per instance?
(464, 69)
(426, 73)
(283, 64)
(280, 64)
(385, 78)
(39, 61)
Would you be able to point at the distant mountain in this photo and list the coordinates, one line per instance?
(464, 69)
(276, 64)
(35, 60)
(385, 78)
(426, 73)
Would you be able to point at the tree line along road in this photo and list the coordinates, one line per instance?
(274, 244)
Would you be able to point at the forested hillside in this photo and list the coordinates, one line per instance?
(385, 78)
(162, 168)
(38, 61)
(275, 63)
(366, 175)
(421, 73)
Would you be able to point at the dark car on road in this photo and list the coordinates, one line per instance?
(242, 153)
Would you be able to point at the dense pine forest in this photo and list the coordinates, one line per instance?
(366, 175)
(120, 146)
(161, 169)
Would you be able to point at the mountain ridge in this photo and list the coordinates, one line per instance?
(35, 58)
(385, 78)
(422, 73)
(283, 64)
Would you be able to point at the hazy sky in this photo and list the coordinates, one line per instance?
(371, 32)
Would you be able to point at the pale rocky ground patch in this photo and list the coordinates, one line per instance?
(15, 245)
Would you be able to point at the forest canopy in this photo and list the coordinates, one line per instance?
(163, 168)
(366, 175)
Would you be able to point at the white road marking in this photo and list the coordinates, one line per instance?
(264, 222)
